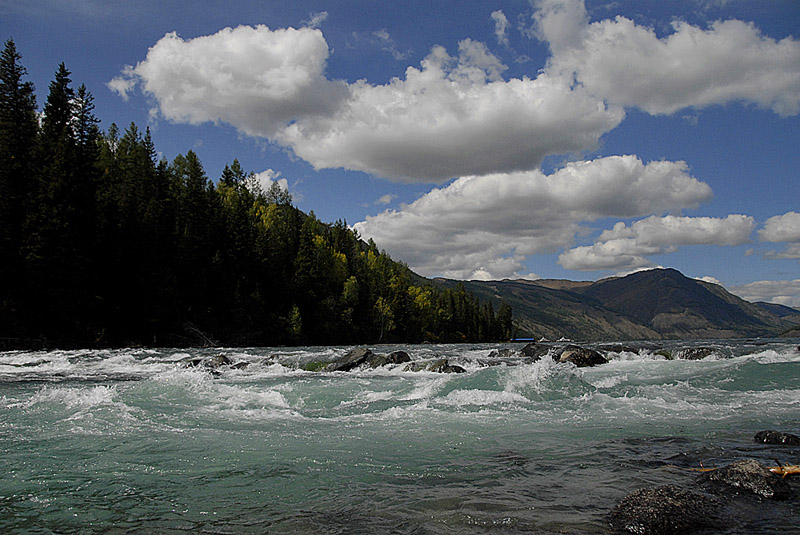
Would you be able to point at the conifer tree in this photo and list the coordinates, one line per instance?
(18, 133)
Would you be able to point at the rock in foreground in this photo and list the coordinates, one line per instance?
(751, 476)
(665, 510)
(581, 356)
(776, 437)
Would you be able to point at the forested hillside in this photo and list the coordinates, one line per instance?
(104, 244)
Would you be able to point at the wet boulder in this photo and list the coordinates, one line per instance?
(581, 356)
(503, 353)
(621, 348)
(395, 357)
(352, 359)
(215, 363)
(694, 353)
(437, 366)
(444, 366)
(748, 475)
(535, 350)
(776, 437)
(666, 510)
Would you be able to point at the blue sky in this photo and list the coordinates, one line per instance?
(475, 139)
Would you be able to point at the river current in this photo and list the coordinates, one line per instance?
(134, 441)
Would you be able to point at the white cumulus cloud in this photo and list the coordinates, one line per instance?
(254, 78)
(785, 292)
(456, 115)
(452, 116)
(629, 65)
(482, 226)
(783, 229)
(627, 247)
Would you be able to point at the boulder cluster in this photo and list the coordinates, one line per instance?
(584, 356)
(362, 357)
(674, 510)
(214, 363)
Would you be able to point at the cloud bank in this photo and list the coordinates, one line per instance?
(484, 226)
(783, 229)
(627, 247)
(254, 78)
(628, 65)
(456, 115)
(451, 116)
(786, 292)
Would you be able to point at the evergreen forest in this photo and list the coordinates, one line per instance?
(104, 244)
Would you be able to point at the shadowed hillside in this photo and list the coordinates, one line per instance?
(660, 303)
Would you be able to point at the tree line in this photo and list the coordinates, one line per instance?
(104, 244)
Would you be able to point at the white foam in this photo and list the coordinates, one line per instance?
(771, 356)
(73, 398)
(537, 376)
(461, 398)
(426, 389)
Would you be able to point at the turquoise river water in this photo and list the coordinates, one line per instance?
(133, 441)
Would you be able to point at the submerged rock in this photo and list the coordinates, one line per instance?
(503, 353)
(443, 366)
(665, 510)
(217, 361)
(751, 476)
(694, 353)
(214, 363)
(396, 357)
(621, 348)
(437, 366)
(776, 437)
(581, 356)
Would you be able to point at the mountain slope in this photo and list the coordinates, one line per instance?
(543, 311)
(660, 303)
(677, 306)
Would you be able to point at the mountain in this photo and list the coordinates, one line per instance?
(654, 304)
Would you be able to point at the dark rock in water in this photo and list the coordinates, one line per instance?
(351, 360)
(443, 366)
(191, 362)
(437, 366)
(581, 356)
(217, 361)
(415, 367)
(620, 348)
(694, 353)
(776, 437)
(749, 475)
(396, 357)
(665, 510)
(503, 353)
(535, 351)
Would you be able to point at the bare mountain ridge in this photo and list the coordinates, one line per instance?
(654, 304)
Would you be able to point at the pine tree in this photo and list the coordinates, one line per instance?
(18, 132)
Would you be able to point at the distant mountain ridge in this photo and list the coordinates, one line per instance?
(653, 304)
